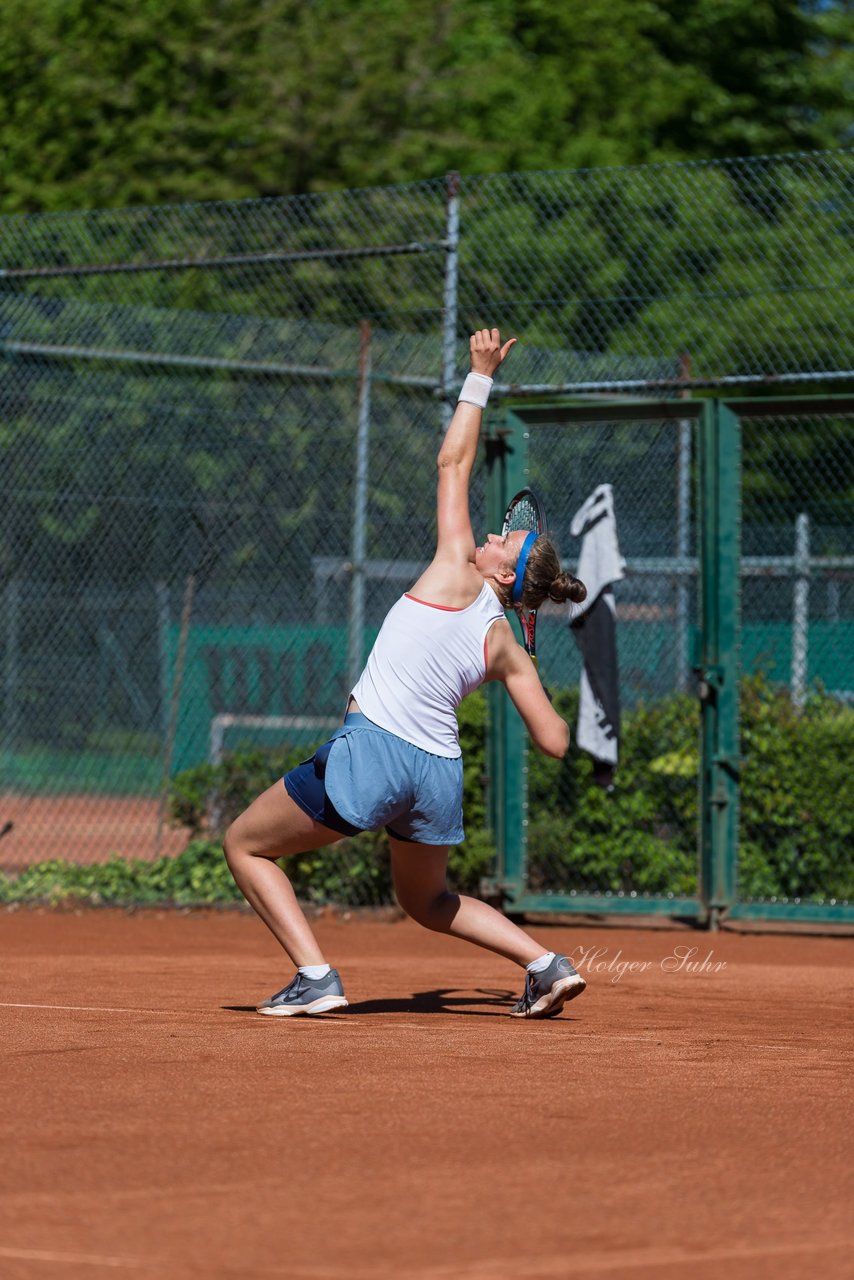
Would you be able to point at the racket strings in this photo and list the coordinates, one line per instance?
(525, 513)
(523, 516)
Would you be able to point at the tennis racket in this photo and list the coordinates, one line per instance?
(526, 512)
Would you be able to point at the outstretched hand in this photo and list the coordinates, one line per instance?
(487, 352)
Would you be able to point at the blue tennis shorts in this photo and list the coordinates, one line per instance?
(365, 778)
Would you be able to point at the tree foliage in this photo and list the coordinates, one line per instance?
(143, 101)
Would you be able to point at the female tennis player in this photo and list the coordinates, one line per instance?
(395, 762)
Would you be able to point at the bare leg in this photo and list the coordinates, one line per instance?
(274, 826)
(422, 891)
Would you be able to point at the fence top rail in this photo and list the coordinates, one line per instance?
(193, 262)
(273, 368)
(610, 386)
(772, 406)
(606, 410)
(600, 409)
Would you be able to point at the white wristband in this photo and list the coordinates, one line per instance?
(476, 389)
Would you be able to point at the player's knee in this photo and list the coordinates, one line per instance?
(435, 912)
(231, 845)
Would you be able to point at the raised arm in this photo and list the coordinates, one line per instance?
(459, 448)
(509, 663)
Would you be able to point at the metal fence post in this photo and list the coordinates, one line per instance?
(507, 740)
(800, 611)
(174, 707)
(161, 591)
(720, 621)
(685, 429)
(356, 621)
(450, 299)
(11, 666)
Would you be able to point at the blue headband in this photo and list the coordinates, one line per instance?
(522, 564)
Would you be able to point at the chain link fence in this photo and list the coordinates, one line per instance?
(196, 560)
(628, 836)
(219, 425)
(636, 834)
(797, 716)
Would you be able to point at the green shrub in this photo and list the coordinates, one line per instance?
(639, 838)
(797, 832)
(197, 875)
(796, 836)
(207, 798)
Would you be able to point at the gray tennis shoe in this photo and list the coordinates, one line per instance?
(546, 993)
(306, 995)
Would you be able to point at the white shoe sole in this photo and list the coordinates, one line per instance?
(323, 1005)
(553, 1001)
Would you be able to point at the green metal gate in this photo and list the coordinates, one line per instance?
(666, 840)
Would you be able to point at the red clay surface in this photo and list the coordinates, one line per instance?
(668, 1125)
(82, 828)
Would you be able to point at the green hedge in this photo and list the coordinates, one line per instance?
(642, 836)
(797, 832)
(198, 875)
(356, 871)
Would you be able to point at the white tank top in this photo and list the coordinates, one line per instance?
(426, 658)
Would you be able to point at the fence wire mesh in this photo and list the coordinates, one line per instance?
(637, 835)
(734, 263)
(184, 390)
(743, 264)
(183, 563)
(796, 839)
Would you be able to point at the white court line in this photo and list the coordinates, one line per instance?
(167, 1266)
(90, 1008)
(89, 1259)
(620, 1261)
(162, 1266)
(348, 1021)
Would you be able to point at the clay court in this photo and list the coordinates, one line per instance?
(671, 1123)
